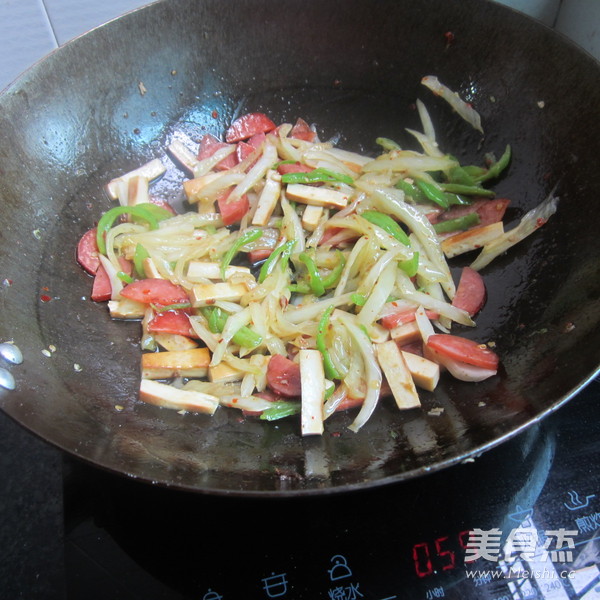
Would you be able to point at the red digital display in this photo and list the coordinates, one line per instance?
(441, 554)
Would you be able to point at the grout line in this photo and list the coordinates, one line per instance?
(47, 14)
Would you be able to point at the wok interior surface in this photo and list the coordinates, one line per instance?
(178, 69)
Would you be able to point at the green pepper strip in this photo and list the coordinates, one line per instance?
(454, 199)
(216, 319)
(140, 211)
(458, 224)
(285, 255)
(140, 255)
(433, 193)
(387, 143)
(159, 212)
(318, 175)
(280, 410)
(497, 168)
(467, 190)
(269, 264)
(358, 299)
(247, 338)
(314, 279)
(216, 323)
(460, 176)
(124, 277)
(333, 277)
(328, 282)
(410, 266)
(330, 371)
(299, 288)
(474, 171)
(245, 238)
(386, 223)
(166, 307)
(410, 190)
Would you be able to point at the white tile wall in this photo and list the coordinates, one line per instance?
(542, 10)
(71, 18)
(25, 36)
(29, 29)
(580, 20)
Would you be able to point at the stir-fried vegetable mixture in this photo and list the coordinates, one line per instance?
(305, 278)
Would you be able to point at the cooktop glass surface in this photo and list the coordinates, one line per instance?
(519, 522)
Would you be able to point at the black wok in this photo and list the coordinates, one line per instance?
(81, 116)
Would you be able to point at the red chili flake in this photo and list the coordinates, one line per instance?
(336, 434)
(450, 37)
(46, 289)
(215, 114)
(540, 222)
(45, 298)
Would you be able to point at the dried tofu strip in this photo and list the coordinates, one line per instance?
(199, 270)
(150, 268)
(168, 396)
(311, 217)
(425, 373)
(398, 375)
(313, 391)
(193, 187)
(406, 333)
(184, 156)
(151, 171)
(126, 309)
(138, 190)
(184, 363)
(206, 294)
(174, 342)
(224, 373)
(316, 196)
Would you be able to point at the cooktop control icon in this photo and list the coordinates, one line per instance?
(575, 501)
(340, 569)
